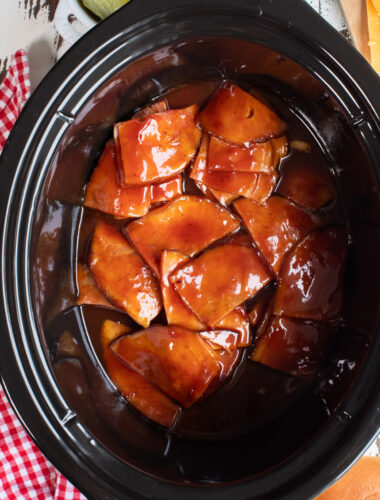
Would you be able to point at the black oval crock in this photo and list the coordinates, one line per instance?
(290, 28)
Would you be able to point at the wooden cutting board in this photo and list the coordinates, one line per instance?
(355, 12)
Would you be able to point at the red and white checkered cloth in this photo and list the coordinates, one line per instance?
(25, 473)
(14, 91)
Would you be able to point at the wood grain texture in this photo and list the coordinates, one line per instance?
(355, 12)
(374, 34)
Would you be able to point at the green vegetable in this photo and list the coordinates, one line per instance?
(103, 8)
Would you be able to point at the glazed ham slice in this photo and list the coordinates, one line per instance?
(292, 346)
(175, 359)
(104, 193)
(88, 291)
(219, 280)
(240, 118)
(187, 224)
(138, 391)
(311, 279)
(236, 323)
(122, 276)
(167, 190)
(275, 227)
(306, 186)
(157, 148)
(230, 158)
(233, 182)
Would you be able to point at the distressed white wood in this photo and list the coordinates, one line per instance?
(36, 35)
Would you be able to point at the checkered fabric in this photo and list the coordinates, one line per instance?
(24, 472)
(14, 91)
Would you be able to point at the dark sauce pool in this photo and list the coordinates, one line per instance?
(259, 414)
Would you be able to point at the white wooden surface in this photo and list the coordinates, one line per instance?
(27, 24)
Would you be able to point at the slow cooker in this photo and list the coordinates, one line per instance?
(133, 56)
